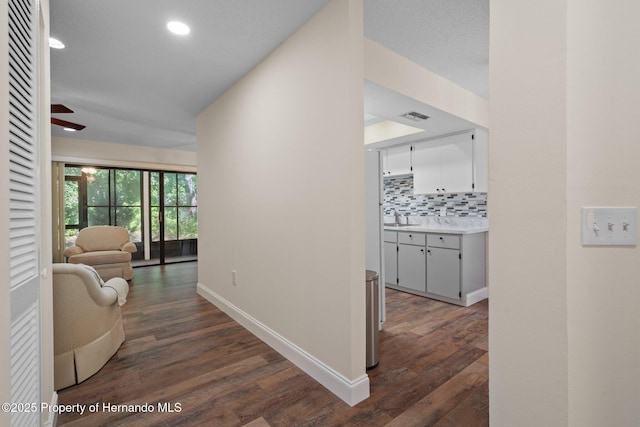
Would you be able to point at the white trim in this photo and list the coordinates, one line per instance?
(350, 391)
(125, 164)
(477, 296)
(52, 419)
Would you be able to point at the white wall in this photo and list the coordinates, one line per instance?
(603, 152)
(281, 196)
(564, 323)
(99, 153)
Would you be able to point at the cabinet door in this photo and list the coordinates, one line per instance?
(390, 263)
(398, 161)
(443, 165)
(412, 267)
(426, 168)
(443, 272)
(456, 165)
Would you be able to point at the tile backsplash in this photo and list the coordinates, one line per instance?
(399, 197)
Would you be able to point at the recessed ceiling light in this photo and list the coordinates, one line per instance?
(55, 43)
(178, 28)
(69, 129)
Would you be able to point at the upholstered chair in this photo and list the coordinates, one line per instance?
(87, 322)
(106, 248)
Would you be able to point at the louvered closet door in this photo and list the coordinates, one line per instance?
(24, 279)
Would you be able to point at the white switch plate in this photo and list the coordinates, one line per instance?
(609, 226)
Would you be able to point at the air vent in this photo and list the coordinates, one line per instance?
(416, 117)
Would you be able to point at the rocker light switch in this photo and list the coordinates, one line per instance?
(609, 226)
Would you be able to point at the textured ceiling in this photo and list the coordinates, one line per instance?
(131, 81)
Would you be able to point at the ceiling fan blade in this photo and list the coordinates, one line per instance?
(66, 124)
(59, 108)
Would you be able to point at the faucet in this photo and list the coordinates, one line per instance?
(396, 217)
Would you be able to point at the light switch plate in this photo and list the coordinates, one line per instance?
(609, 226)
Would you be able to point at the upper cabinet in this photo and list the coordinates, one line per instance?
(444, 165)
(451, 164)
(397, 161)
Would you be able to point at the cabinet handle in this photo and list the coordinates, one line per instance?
(428, 251)
(422, 250)
(441, 238)
(410, 236)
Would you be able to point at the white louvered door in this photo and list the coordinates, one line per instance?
(24, 281)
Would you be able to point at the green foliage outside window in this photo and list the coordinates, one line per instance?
(114, 197)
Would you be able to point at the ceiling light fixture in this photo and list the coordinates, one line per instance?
(178, 28)
(69, 129)
(55, 43)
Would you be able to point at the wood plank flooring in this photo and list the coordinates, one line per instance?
(183, 352)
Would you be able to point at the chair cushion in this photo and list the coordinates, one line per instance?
(100, 257)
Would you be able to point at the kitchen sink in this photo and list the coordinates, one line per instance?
(390, 224)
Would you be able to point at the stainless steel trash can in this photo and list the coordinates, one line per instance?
(373, 318)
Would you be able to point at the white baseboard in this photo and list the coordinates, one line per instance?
(477, 296)
(52, 419)
(350, 391)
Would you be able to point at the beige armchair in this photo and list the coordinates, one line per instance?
(87, 322)
(105, 247)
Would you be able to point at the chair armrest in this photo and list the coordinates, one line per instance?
(129, 247)
(72, 250)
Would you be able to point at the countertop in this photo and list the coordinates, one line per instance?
(437, 229)
(449, 225)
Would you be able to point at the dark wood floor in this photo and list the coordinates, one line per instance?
(182, 351)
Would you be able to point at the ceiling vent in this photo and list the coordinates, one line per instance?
(416, 117)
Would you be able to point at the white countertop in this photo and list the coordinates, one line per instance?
(448, 230)
(449, 225)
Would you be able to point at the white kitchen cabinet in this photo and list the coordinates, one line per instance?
(444, 165)
(397, 160)
(449, 267)
(412, 267)
(443, 272)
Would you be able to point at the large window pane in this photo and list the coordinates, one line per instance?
(127, 188)
(170, 224)
(170, 196)
(188, 223)
(71, 200)
(130, 219)
(97, 216)
(187, 190)
(154, 183)
(98, 188)
(155, 225)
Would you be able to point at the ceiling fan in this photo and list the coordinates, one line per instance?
(58, 109)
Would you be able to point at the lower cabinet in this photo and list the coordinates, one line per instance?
(412, 267)
(448, 267)
(443, 272)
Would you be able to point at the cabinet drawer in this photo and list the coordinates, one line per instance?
(391, 236)
(411, 238)
(443, 241)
